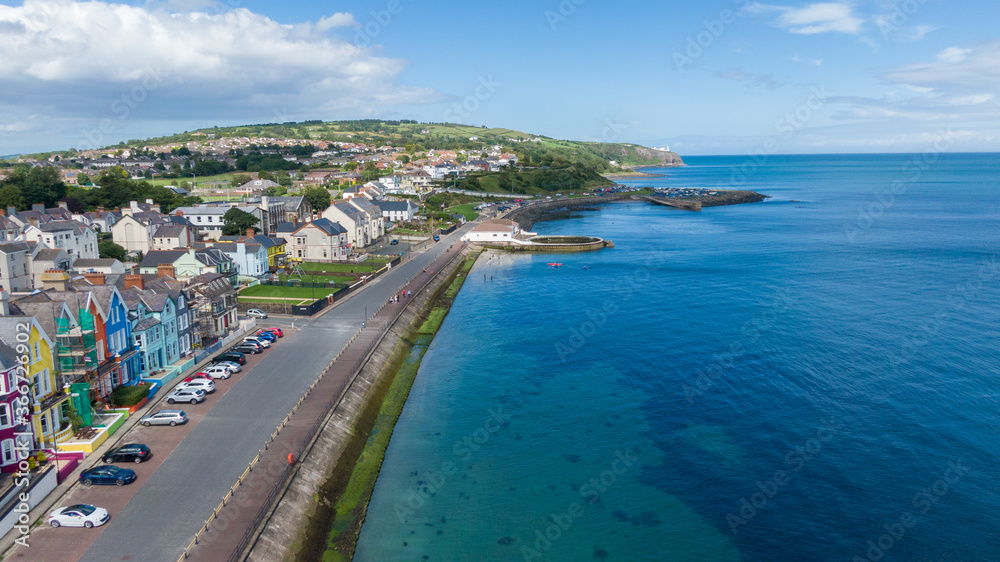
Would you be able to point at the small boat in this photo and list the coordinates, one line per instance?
(555, 264)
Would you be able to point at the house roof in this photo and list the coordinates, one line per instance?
(495, 225)
(61, 226)
(168, 231)
(398, 206)
(327, 226)
(50, 254)
(145, 324)
(13, 247)
(154, 258)
(90, 263)
(211, 256)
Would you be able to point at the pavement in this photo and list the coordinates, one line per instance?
(176, 493)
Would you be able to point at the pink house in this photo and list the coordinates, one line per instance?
(15, 411)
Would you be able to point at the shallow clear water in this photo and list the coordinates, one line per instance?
(833, 350)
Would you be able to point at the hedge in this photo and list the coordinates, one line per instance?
(130, 395)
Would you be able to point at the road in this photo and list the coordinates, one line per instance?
(176, 499)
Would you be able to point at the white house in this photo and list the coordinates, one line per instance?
(495, 231)
(398, 211)
(76, 238)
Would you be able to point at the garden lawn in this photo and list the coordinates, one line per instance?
(286, 292)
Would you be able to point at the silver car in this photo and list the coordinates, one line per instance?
(190, 395)
(204, 385)
(232, 366)
(164, 417)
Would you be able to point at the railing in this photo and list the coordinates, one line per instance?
(332, 404)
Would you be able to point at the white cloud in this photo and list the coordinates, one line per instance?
(953, 54)
(78, 57)
(824, 17)
(976, 68)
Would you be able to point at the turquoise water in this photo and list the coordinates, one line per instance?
(810, 378)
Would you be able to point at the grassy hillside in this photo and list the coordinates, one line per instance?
(546, 152)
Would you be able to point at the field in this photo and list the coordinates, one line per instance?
(275, 291)
(467, 210)
(325, 279)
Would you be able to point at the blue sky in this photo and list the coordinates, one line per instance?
(720, 77)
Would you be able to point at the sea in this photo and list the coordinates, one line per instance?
(814, 377)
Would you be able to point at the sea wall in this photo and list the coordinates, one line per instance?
(538, 210)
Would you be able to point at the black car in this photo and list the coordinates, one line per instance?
(234, 356)
(248, 347)
(133, 452)
(107, 475)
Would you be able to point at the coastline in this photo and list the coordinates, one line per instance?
(344, 488)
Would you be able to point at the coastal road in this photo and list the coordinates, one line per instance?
(176, 500)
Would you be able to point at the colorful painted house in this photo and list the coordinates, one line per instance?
(49, 419)
(147, 332)
(16, 438)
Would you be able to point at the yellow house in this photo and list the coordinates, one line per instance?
(47, 395)
(275, 250)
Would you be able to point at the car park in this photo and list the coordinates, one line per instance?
(164, 417)
(256, 313)
(218, 372)
(79, 515)
(132, 452)
(107, 474)
(205, 385)
(263, 342)
(232, 357)
(190, 395)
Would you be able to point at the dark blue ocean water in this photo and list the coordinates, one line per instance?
(780, 381)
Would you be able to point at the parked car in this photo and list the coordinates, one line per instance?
(256, 313)
(132, 452)
(164, 417)
(79, 515)
(218, 372)
(205, 385)
(263, 342)
(107, 474)
(190, 395)
(275, 331)
(197, 376)
(437, 238)
(394, 242)
(233, 366)
(264, 334)
(248, 347)
(232, 357)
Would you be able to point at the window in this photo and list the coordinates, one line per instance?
(7, 448)
(45, 423)
(5, 415)
(38, 352)
(46, 383)
(36, 387)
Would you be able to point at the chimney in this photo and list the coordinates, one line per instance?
(63, 205)
(295, 221)
(135, 281)
(134, 205)
(94, 278)
(38, 207)
(165, 270)
(100, 208)
(249, 233)
(179, 213)
(11, 211)
(55, 279)
(149, 201)
(4, 303)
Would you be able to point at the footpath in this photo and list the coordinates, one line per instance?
(236, 522)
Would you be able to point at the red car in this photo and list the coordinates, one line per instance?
(275, 331)
(197, 376)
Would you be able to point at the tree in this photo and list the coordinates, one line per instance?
(403, 158)
(10, 196)
(351, 166)
(82, 179)
(241, 179)
(236, 222)
(74, 205)
(110, 250)
(318, 198)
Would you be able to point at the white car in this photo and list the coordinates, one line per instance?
(203, 385)
(191, 395)
(218, 372)
(79, 515)
(262, 341)
(231, 365)
(255, 313)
